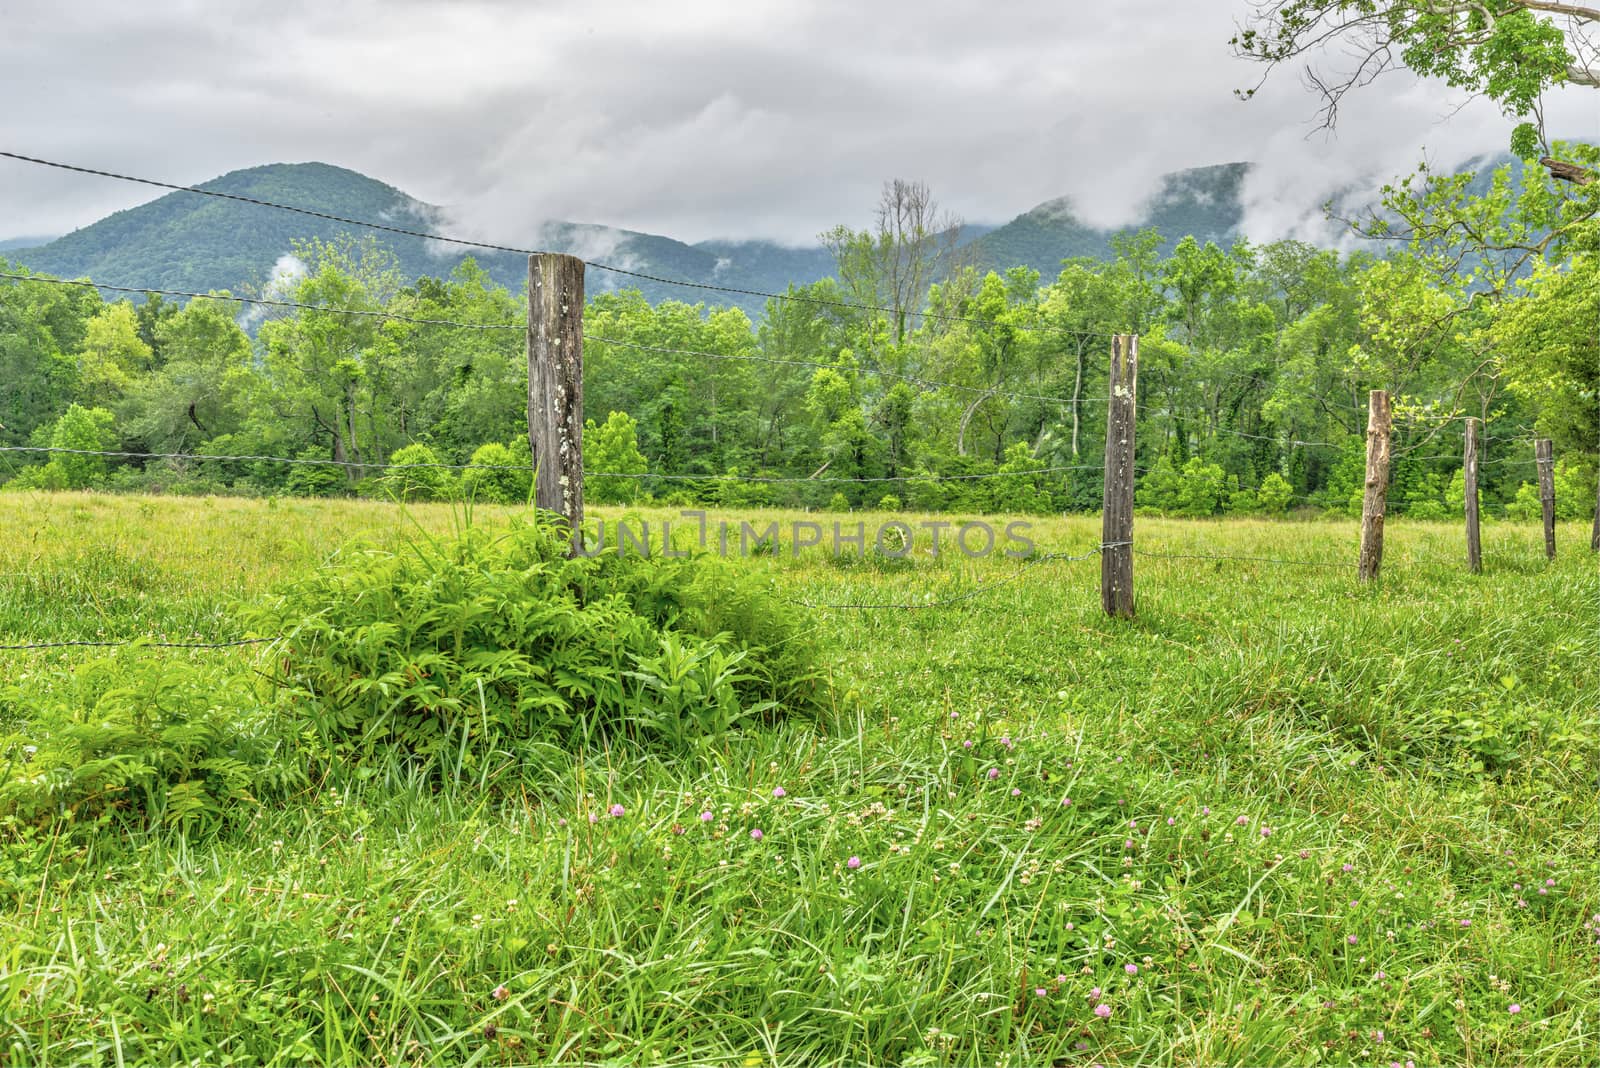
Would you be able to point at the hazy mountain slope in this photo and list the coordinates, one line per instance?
(183, 241)
(1203, 201)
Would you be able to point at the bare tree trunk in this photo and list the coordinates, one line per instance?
(1077, 393)
(966, 417)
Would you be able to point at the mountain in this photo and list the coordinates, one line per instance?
(9, 243)
(1203, 201)
(186, 242)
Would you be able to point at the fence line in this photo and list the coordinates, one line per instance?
(125, 643)
(639, 475)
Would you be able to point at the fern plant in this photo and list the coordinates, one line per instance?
(452, 648)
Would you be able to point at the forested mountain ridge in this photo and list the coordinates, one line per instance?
(184, 242)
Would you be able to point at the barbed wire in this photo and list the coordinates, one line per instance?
(266, 301)
(639, 475)
(125, 643)
(494, 247)
(1239, 559)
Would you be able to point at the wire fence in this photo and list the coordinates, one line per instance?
(1433, 422)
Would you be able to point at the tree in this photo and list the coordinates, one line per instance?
(1548, 358)
(914, 244)
(197, 394)
(88, 430)
(1508, 50)
(613, 450)
(326, 374)
(113, 353)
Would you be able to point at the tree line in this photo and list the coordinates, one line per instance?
(895, 385)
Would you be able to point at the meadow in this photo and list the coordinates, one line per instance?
(1279, 818)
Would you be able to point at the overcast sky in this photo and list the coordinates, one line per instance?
(696, 118)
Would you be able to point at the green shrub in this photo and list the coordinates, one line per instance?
(411, 478)
(888, 503)
(613, 448)
(130, 737)
(1526, 505)
(498, 475)
(1197, 490)
(447, 647)
(1274, 495)
(315, 479)
(838, 502)
(1575, 488)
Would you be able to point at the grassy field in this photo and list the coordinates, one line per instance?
(1277, 819)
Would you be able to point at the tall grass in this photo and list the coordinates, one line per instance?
(1278, 818)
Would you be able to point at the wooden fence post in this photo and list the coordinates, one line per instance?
(1469, 469)
(1116, 537)
(555, 384)
(1594, 534)
(1544, 457)
(1375, 499)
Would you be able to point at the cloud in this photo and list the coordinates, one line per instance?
(702, 119)
(286, 275)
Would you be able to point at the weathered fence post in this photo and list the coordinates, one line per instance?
(1375, 499)
(1594, 534)
(1469, 470)
(1544, 457)
(1116, 537)
(555, 384)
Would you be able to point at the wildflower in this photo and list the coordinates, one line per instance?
(1266, 832)
(1039, 991)
(756, 834)
(706, 817)
(1095, 993)
(1205, 810)
(593, 818)
(1016, 792)
(617, 811)
(501, 993)
(778, 791)
(1241, 821)
(853, 863)
(1347, 868)
(1351, 939)
(1171, 820)
(1103, 1011)
(1513, 1010)
(1065, 801)
(967, 744)
(1466, 923)
(1131, 969)
(994, 773)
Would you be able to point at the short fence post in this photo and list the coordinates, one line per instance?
(1544, 457)
(1469, 470)
(1116, 537)
(1375, 499)
(555, 384)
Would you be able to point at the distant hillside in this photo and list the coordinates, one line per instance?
(1203, 201)
(9, 243)
(182, 241)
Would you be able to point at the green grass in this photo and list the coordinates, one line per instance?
(1228, 754)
